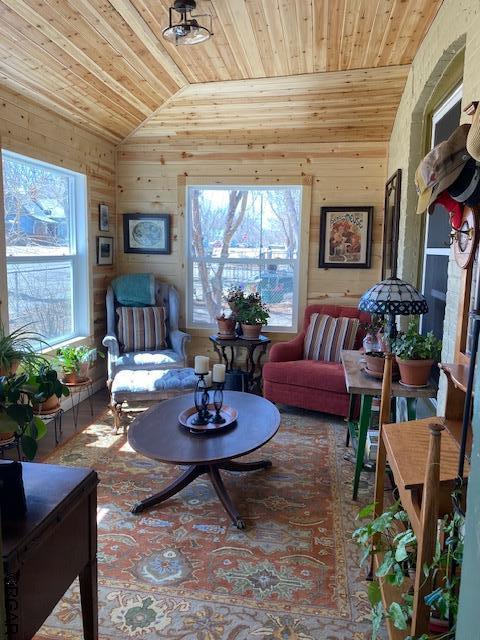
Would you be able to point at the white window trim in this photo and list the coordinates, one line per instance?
(301, 263)
(79, 253)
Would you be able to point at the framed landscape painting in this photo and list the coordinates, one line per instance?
(345, 237)
(146, 232)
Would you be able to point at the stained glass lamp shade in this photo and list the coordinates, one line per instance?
(393, 297)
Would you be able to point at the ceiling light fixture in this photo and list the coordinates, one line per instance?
(187, 31)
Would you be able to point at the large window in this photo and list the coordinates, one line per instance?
(244, 236)
(45, 229)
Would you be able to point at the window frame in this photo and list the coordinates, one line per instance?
(78, 250)
(301, 270)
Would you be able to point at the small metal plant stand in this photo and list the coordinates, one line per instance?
(56, 417)
(11, 443)
(77, 388)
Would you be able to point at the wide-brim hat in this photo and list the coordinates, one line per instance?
(441, 167)
(473, 138)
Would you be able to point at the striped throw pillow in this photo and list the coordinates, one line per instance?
(327, 336)
(142, 328)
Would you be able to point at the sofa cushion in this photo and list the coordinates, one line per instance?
(326, 337)
(314, 374)
(142, 328)
(148, 360)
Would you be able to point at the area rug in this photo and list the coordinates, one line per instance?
(182, 571)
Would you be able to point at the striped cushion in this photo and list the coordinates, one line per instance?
(327, 336)
(142, 328)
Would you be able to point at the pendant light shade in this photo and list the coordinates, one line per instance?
(187, 30)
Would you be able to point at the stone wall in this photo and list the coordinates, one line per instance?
(449, 52)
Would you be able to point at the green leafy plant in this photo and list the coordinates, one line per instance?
(411, 345)
(44, 383)
(376, 324)
(16, 413)
(76, 359)
(252, 310)
(235, 296)
(20, 347)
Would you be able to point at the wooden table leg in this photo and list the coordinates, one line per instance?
(232, 465)
(221, 492)
(189, 475)
(411, 408)
(364, 422)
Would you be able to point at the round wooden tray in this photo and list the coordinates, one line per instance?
(187, 415)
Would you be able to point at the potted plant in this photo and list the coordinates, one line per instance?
(253, 315)
(16, 414)
(226, 325)
(19, 346)
(371, 342)
(75, 363)
(235, 297)
(46, 388)
(415, 355)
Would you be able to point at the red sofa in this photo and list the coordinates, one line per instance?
(310, 384)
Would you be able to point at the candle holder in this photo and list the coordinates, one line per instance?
(201, 399)
(218, 403)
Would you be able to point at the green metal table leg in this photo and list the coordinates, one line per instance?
(351, 407)
(411, 408)
(365, 411)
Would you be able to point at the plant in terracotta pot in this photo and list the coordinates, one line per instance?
(415, 355)
(235, 297)
(372, 330)
(226, 325)
(18, 347)
(45, 388)
(75, 362)
(16, 414)
(253, 315)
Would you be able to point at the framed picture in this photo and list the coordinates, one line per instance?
(146, 232)
(104, 250)
(393, 193)
(345, 237)
(103, 217)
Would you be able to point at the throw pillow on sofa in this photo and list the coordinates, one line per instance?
(142, 328)
(326, 337)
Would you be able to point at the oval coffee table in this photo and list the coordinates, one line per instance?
(157, 434)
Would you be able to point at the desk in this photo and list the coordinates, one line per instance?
(44, 551)
(360, 384)
(254, 365)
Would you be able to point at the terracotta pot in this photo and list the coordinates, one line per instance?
(375, 364)
(251, 331)
(6, 436)
(49, 405)
(73, 378)
(415, 373)
(226, 327)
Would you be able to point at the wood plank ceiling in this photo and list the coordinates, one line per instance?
(104, 63)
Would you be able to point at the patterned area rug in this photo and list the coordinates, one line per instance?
(182, 571)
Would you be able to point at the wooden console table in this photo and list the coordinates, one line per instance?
(45, 550)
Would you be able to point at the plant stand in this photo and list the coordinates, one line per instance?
(56, 416)
(11, 443)
(77, 388)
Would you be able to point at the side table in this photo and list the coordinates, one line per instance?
(78, 387)
(256, 350)
(360, 384)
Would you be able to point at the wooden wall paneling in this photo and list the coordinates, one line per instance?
(29, 129)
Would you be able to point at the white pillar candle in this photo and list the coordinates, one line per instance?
(219, 372)
(201, 364)
(208, 380)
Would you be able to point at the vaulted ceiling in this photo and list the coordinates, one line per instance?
(104, 63)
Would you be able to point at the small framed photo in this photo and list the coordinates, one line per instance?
(104, 250)
(103, 217)
(345, 237)
(146, 232)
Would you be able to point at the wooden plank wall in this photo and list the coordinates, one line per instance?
(344, 173)
(29, 129)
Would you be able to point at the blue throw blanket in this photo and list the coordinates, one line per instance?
(135, 290)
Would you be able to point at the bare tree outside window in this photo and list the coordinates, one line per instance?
(243, 236)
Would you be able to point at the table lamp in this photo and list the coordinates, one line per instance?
(393, 297)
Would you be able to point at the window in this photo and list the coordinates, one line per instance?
(244, 236)
(46, 248)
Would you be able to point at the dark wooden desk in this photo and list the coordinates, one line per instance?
(45, 551)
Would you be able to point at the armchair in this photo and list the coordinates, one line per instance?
(310, 384)
(174, 357)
